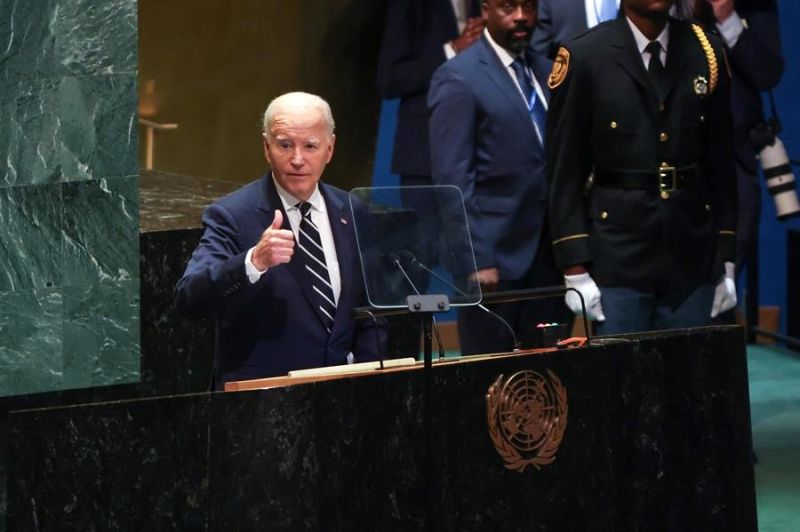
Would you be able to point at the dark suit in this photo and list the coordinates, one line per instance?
(558, 21)
(606, 118)
(487, 146)
(412, 49)
(270, 327)
(757, 65)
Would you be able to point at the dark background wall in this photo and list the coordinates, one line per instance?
(212, 67)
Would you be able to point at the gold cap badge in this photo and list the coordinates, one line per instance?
(560, 69)
(527, 416)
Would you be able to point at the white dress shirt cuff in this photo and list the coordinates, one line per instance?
(731, 28)
(253, 273)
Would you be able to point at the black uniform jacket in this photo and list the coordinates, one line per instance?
(633, 224)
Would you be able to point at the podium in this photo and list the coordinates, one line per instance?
(656, 436)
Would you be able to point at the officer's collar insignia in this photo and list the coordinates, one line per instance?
(560, 69)
(700, 85)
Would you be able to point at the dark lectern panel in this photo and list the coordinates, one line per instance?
(117, 466)
(657, 438)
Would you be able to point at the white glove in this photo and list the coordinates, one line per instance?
(584, 284)
(725, 292)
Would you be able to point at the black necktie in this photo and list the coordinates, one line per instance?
(656, 68)
(313, 257)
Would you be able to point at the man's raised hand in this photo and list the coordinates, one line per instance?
(276, 245)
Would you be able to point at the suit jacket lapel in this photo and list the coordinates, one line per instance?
(498, 73)
(269, 200)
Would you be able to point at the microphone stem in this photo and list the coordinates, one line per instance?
(403, 271)
(480, 305)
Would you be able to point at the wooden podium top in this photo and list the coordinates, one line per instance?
(367, 368)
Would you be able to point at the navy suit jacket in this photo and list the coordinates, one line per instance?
(485, 144)
(412, 49)
(558, 22)
(757, 65)
(270, 327)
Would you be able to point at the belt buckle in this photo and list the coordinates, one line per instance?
(667, 179)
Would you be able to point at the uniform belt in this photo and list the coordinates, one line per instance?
(663, 179)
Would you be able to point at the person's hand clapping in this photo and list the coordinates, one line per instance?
(472, 32)
(276, 245)
(722, 9)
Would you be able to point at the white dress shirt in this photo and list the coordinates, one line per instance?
(642, 42)
(319, 214)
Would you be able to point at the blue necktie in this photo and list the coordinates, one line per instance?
(608, 10)
(535, 106)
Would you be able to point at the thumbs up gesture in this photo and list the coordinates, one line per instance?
(275, 246)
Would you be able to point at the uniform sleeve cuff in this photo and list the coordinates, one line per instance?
(572, 250)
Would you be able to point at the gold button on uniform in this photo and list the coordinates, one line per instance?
(702, 119)
(604, 215)
(613, 124)
(664, 195)
(663, 137)
(708, 207)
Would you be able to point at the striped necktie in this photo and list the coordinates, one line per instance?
(315, 266)
(532, 101)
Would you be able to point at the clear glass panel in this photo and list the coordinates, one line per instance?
(414, 240)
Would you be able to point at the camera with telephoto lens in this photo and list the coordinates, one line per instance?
(777, 168)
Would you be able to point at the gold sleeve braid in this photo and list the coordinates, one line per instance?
(711, 57)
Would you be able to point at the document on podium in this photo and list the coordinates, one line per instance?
(353, 368)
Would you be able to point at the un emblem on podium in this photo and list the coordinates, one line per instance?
(527, 415)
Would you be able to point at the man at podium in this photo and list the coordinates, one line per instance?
(277, 266)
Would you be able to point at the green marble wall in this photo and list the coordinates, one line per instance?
(69, 246)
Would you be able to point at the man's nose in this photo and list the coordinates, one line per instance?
(520, 14)
(297, 157)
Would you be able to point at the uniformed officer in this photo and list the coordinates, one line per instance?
(641, 170)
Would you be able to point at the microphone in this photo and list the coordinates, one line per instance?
(395, 258)
(412, 260)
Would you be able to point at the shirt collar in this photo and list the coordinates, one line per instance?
(505, 57)
(290, 202)
(642, 41)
